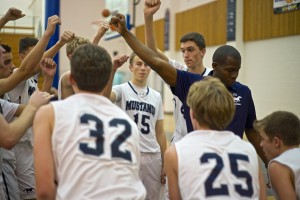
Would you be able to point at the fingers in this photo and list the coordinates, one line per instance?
(52, 22)
(13, 14)
(67, 36)
(48, 63)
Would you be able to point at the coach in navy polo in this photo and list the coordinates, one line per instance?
(226, 66)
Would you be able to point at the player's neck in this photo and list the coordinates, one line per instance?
(197, 70)
(139, 83)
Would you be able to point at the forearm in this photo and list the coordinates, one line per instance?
(3, 21)
(108, 87)
(161, 140)
(54, 49)
(47, 84)
(97, 38)
(150, 38)
(19, 126)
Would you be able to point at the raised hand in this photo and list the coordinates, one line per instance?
(13, 14)
(151, 7)
(118, 22)
(118, 61)
(38, 98)
(51, 25)
(66, 37)
(48, 67)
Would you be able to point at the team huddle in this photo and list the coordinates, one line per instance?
(103, 141)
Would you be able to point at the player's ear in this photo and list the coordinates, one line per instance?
(71, 79)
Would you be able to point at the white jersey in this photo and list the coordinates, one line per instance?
(21, 95)
(96, 150)
(145, 108)
(180, 124)
(291, 159)
(217, 165)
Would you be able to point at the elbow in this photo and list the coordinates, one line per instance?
(8, 144)
(45, 194)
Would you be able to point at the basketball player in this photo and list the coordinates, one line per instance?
(210, 163)
(144, 106)
(193, 49)
(226, 65)
(85, 146)
(280, 133)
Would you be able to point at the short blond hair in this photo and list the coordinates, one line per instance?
(212, 103)
(76, 42)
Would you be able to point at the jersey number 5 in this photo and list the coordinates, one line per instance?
(98, 134)
(223, 189)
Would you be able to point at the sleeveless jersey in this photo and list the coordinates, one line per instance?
(291, 159)
(217, 165)
(178, 109)
(96, 150)
(21, 95)
(145, 110)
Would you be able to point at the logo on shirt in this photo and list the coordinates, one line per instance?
(237, 100)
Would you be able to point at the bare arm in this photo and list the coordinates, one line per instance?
(31, 60)
(149, 11)
(66, 88)
(161, 139)
(118, 61)
(254, 138)
(44, 161)
(11, 15)
(171, 167)
(262, 186)
(163, 68)
(11, 133)
(48, 67)
(103, 26)
(282, 181)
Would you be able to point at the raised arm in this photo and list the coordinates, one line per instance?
(163, 68)
(31, 60)
(48, 67)
(118, 61)
(11, 15)
(150, 8)
(103, 26)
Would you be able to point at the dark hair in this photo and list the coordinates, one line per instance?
(222, 53)
(282, 124)
(91, 67)
(195, 37)
(6, 47)
(27, 42)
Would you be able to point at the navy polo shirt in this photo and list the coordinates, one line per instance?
(244, 106)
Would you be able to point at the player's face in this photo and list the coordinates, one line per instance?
(192, 54)
(8, 67)
(268, 145)
(227, 72)
(140, 70)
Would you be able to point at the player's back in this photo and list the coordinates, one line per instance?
(217, 165)
(96, 150)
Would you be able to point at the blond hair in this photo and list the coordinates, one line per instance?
(72, 45)
(212, 103)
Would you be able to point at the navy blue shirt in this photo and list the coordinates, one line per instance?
(244, 106)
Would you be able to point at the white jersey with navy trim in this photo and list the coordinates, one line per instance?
(145, 109)
(180, 125)
(217, 165)
(96, 150)
(290, 159)
(21, 95)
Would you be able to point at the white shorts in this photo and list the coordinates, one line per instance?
(25, 170)
(11, 188)
(150, 171)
